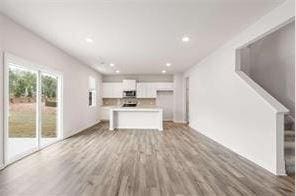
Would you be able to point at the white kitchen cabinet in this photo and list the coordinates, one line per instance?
(117, 90)
(112, 90)
(141, 90)
(106, 90)
(165, 86)
(149, 89)
(129, 85)
(136, 118)
(146, 90)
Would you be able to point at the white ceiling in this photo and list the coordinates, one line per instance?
(139, 37)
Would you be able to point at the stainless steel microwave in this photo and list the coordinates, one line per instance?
(127, 94)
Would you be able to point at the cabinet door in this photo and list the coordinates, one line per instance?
(153, 90)
(112, 90)
(117, 90)
(129, 85)
(169, 86)
(141, 90)
(165, 86)
(146, 90)
(150, 90)
(107, 90)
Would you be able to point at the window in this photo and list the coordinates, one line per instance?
(92, 92)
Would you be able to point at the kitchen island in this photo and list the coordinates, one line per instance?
(136, 118)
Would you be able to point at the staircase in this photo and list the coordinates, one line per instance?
(290, 146)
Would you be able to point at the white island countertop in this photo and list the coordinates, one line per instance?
(140, 117)
(138, 108)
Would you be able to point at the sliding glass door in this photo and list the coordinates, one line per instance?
(22, 118)
(50, 105)
(32, 109)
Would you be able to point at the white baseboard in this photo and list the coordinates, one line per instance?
(2, 166)
(78, 131)
(241, 156)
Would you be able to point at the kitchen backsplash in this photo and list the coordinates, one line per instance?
(110, 101)
(141, 102)
(147, 102)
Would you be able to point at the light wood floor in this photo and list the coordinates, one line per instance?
(177, 161)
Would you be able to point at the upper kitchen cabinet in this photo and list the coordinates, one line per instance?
(112, 90)
(146, 90)
(141, 90)
(149, 89)
(165, 86)
(129, 85)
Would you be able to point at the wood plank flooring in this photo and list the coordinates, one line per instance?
(177, 161)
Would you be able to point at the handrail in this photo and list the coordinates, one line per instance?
(275, 104)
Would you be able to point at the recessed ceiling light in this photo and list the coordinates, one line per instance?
(163, 71)
(168, 64)
(111, 64)
(89, 40)
(185, 39)
(117, 71)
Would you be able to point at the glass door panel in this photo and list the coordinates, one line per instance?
(22, 114)
(49, 110)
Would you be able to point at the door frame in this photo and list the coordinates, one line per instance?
(8, 57)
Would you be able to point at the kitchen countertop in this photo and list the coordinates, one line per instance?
(137, 108)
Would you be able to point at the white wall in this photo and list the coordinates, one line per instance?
(22, 43)
(270, 62)
(179, 95)
(1, 91)
(226, 108)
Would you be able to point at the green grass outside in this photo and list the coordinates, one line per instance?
(22, 121)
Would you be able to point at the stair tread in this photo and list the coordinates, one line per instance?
(290, 160)
(289, 132)
(289, 138)
(289, 145)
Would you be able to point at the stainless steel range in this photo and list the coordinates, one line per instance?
(129, 102)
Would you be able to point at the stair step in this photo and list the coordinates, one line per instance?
(289, 132)
(289, 139)
(290, 159)
(290, 152)
(289, 126)
(290, 165)
(289, 135)
(290, 144)
(290, 170)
